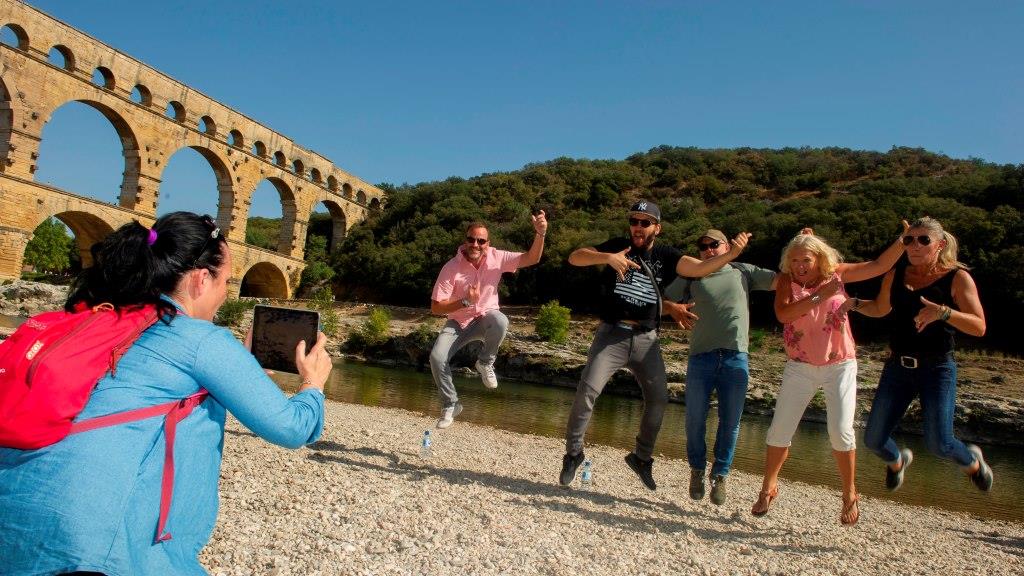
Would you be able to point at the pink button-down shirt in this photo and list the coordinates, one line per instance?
(822, 335)
(459, 274)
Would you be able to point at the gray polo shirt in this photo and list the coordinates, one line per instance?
(722, 302)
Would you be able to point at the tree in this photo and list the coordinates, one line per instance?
(49, 247)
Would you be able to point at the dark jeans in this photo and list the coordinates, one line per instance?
(726, 372)
(934, 383)
(617, 347)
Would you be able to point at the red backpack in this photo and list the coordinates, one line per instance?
(49, 367)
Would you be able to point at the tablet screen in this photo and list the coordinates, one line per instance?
(277, 331)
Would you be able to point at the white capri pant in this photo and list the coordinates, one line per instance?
(799, 383)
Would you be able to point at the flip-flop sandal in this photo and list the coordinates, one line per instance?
(848, 510)
(767, 497)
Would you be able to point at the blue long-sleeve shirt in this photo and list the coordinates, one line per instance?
(91, 501)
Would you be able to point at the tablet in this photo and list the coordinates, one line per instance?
(277, 331)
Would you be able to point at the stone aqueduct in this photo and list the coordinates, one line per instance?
(154, 116)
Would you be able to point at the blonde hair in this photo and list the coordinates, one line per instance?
(828, 257)
(948, 253)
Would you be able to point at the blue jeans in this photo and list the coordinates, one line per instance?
(727, 372)
(934, 383)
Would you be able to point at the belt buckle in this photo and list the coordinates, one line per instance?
(908, 362)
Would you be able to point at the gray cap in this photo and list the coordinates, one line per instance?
(715, 235)
(646, 207)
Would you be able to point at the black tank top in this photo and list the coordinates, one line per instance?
(937, 338)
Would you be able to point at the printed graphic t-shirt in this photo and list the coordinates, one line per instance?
(635, 298)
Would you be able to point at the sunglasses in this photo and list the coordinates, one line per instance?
(477, 241)
(713, 245)
(923, 240)
(641, 222)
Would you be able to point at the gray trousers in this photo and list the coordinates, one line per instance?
(617, 347)
(489, 328)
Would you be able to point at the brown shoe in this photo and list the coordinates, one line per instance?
(764, 501)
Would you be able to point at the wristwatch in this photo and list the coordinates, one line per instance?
(466, 303)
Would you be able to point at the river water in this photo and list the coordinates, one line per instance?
(543, 410)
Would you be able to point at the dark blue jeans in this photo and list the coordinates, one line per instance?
(727, 372)
(934, 383)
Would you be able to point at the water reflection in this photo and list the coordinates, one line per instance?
(544, 410)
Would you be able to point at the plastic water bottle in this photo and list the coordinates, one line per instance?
(587, 477)
(426, 450)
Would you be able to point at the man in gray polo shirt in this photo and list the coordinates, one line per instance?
(718, 357)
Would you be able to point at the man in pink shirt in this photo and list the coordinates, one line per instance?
(466, 291)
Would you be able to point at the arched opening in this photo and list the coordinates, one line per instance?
(259, 149)
(61, 57)
(271, 218)
(186, 184)
(207, 126)
(375, 204)
(142, 95)
(235, 139)
(315, 176)
(264, 280)
(324, 233)
(279, 158)
(79, 153)
(176, 111)
(332, 183)
(361, 197)
(14, 36)
(6, 119)
(346, 190)
(299, 168)
(87, 229)
(50, 252)
(103, 77)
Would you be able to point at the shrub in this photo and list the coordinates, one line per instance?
(424, 334)
(323, 302)
(233, 311)
(552, 322)
(375, 330)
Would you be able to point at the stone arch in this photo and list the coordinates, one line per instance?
(129, 146)
(375, 204)
(332, 183)
(346, 190)
(264, 280)
(339, 223)
(315, 176)
(106, 77)
(361, 197)
(236, 139)
(225, 188)
(175, 111)
(259, 149)
(299, 168)
(66, 54)
(145, 96)
(87, 228)
(207, 126)
(6, 121)
(279, 158)
(19, 35)
(288, 213)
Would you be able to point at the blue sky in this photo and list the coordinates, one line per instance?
(414, 91)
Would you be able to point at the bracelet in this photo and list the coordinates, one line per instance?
(945, 313)
(857, 302)
(539, 234)
(306, 382)
(815, 299)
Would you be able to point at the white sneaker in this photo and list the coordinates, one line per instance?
(448, 415)
(487, 375)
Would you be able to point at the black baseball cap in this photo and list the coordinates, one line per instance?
(647, 208)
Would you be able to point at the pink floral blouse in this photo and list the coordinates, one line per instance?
(821, 336)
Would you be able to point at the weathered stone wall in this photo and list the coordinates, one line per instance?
(162, 117)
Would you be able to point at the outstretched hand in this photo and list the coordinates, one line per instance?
(473, 293)
(315, 364)
(540, 222)
(682, 315)
(621, 264)
(930, 313)
(741, 240)
(830, 288)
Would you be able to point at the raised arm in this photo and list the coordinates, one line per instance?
(691, 267)
(788, 308)
(876, 308)
(855, 272)
(540, 228)
(590, 256)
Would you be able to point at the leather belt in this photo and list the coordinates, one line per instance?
(915, 361)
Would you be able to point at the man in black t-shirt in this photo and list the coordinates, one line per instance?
(627, 337)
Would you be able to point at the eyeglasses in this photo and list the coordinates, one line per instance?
(477, 241)
(641, 222)
(923, 240)
(713, 245)
(214, 235)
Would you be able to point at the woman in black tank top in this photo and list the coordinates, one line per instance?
(928, 298)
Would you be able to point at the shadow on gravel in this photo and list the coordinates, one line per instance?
(1005, 544)
(534, 494)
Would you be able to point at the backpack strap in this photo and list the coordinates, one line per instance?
(175, 412)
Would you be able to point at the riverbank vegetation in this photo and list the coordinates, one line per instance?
(855, 199)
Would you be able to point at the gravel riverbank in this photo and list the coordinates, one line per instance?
(362, 501)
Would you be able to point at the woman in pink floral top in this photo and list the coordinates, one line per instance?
(809, 301)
